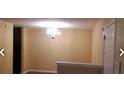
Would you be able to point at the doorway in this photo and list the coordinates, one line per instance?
(17, 50)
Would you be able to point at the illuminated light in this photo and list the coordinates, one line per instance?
(53, 24)
(53, 32)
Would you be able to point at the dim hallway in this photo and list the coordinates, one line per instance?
(77, 46)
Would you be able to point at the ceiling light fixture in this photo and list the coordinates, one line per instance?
(53, 32)
(52, 27)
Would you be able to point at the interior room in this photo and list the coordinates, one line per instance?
(61, 46)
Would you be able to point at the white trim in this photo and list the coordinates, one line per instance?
(34, 70)
(63, 63)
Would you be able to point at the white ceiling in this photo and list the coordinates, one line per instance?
(81, 23)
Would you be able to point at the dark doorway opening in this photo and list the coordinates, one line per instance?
(17, 50)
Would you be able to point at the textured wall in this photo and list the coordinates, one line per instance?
(42, 52)
(6, 41)
(120, 42)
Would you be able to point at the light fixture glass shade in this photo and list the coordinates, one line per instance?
(53, 32)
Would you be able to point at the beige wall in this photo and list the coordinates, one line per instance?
(42, 52)
(120, 41)
(25, 50)
(6, 41)
(97, 41)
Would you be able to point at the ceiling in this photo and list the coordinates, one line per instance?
(77, 23)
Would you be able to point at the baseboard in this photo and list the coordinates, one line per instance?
(42, 71)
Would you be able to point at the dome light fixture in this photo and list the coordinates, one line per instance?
(53, 32)
(52, 27)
